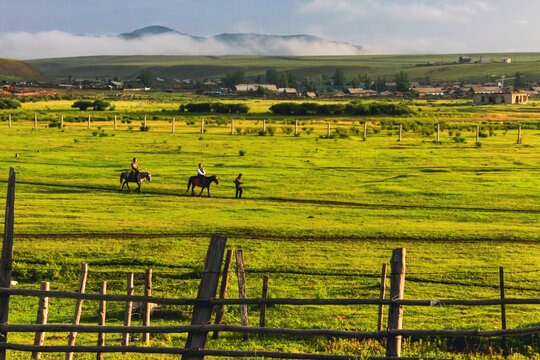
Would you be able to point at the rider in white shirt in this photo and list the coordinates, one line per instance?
(201, 174)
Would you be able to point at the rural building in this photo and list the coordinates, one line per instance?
(506, 60)
(310, 94)
(254, 87)
(479, 89)
(464, 59)
(500, 98)
(288, 92)
(429, 91)
(355, 91)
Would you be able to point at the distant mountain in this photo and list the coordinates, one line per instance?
(16, 70)
(154, 30)
(252, 44)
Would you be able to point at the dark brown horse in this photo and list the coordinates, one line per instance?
(194, 181)
(126, 178)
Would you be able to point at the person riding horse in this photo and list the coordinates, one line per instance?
(135, 171)
(201, 174)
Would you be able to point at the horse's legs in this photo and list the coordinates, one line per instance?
(127, 184)
(208, 188)
(201, 191)
(122, 186)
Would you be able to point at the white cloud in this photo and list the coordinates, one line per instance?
(24, 45)
(428, 11)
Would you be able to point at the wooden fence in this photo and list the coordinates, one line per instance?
(205, 303)
(203, 130)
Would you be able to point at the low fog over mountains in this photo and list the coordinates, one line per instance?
(160, 40)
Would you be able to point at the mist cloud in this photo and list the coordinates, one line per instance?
(48, 44)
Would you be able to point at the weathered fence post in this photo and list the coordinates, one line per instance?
(147, 307)
(295, 127)
(89, 116)
(382, 294)
(202, 313)
(264, 295)
(173, 123)
(61, 121)
(477, 134)
(78, 309)
(395, 312)
(223, 290)
(43, 311)
(35, 121)
(519, 135)
(6, 263)
(9, 120)
(264, 126)
(202, 126)
(365, 131)
(129, 308)
(101, 318)
(438, 132)
(503, 307)
(400, 131)
(144, 124)
(242, 290)
(328, 130)
(115, 122)
(232, 126)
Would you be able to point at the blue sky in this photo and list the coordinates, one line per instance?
(380, 26)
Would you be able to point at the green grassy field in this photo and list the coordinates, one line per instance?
(319, 217)
(205, 67)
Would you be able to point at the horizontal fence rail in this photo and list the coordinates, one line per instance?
(181, 351)
(266, 331)
(267, 301)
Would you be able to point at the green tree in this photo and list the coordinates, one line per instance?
(100, 105)
(339, 77)
(380, 84)
(519, 83)
(291, 79)
(402, 81)
(271, 76)
(355, 82)
(146, 77)
(82, 104)
(283, 81)
(234, 78)
(366, 80)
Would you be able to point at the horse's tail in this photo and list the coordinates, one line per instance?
(188, 184)
(121, 178)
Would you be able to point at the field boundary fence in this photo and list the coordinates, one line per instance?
(362, 131)
(209, 305)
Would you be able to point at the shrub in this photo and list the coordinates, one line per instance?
(82, 104)
(241, 152)
(287, 129)
(478, 145)
(100, 105)
(271, 130)
(9, 104)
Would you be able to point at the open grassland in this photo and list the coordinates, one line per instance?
(202, 67)
(319, 217)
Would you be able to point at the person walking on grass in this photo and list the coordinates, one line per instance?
(238, 182)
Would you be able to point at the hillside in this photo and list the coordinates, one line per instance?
(14, 70)
(207, 67)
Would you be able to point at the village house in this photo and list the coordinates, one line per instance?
(288, 92)
(480, 89)
(355, 92)
(429, 91)
(500, 98)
